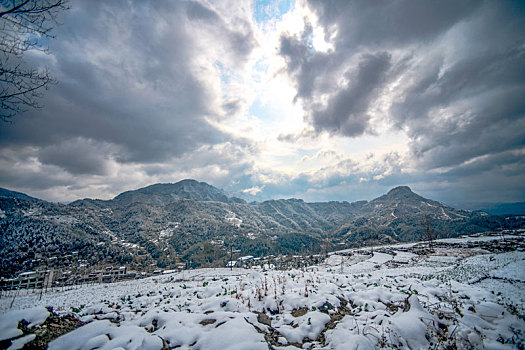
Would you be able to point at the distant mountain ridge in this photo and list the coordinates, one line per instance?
(166, 193)
(13, 194)
(516, 208)
(194, 221)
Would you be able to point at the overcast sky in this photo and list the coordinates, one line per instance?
(319, 100)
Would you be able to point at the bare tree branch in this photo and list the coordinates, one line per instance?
(23, 26)
(429, 233)
(14, 9)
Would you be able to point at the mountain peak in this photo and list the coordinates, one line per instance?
(164, 193)
(188, 182)
(13, 194)
(399, 194)
(400, 190)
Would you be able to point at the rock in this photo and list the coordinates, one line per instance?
(264, 319)
(207, 321)
(326, 307)
(299, 312)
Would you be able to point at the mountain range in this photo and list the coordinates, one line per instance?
(194, 222)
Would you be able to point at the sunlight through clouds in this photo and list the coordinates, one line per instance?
(278, 98)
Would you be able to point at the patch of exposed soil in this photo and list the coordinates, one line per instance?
(52, 328)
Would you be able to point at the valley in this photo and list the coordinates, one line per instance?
(166, 225)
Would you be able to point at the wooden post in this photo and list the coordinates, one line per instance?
(231, 258)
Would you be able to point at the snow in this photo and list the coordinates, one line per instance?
(166, 233)
(380, 258)
(9, 320)
(105, 335)
(233, 334)
(231, 219)
(444, 215)
(468, 298)
(412, 325)
(308, 326)
(403, 257)
(346, 337)
(20, 342)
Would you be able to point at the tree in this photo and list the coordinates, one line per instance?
(429, 231)
(24, 25)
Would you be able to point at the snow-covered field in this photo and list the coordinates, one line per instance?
(454, 296)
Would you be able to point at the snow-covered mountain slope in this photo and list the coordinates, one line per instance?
(13, 194)
(401, 215)
(459, 295)
(196, 214)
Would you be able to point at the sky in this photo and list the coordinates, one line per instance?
(311, 99)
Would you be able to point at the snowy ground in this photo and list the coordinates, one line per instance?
(393, 298)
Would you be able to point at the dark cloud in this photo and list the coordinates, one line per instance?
(241, 40)
(346, 111)
(21, 171)
(361, 24)
(198, 11)
(130, 88)
(232, 107)
(452, 73)
(136, 105)
(292, 138)
(78, 156)
(310, 69)
(482, 104)
(506, 163)
(361, 27)
(297, 50)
